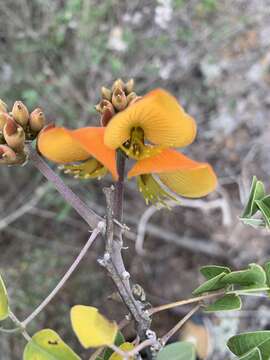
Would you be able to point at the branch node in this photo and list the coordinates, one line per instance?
(102, 227)
(125, 275)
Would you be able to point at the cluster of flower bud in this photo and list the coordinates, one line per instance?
(116, 99)
(16, 128)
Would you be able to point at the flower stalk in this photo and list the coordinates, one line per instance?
(113, 260)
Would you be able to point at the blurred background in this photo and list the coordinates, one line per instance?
(214, 56)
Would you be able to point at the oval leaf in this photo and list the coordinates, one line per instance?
(47, 345)
(255, 275)
(257, 192)
(178, 351)
(226, 303)
(91, 328)
(267, 272)
(211, 271)
(244, 343)
(4, 308)
(125, 347)
(213, 284)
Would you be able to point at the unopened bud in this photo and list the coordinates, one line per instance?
(131, 97)
(14, 134)
(106, 117)
(106, 93)
(119, 83)
(3, 119)
(7, 155)
(20, 113)
(129, 86)
(119, 99)
(3, 106)
(37, 120)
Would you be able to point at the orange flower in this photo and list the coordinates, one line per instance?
(145, 131)
(84, 145)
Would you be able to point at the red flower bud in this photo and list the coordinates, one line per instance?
(14, 134)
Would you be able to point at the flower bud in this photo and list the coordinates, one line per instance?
(3, 119)
(37, 120)
(20, 113)
(14, 134)
(129, 86)
(118, 84)
(119, 99)
(107, 111)
(106, 93)
(7, 155)
(106, 117)
(131, 97)
(3, 106)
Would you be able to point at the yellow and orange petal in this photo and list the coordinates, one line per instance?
(92, 140)
(57, 145)
(180, 174)
(161, 117)
(65, 146)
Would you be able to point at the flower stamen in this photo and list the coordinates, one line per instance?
(135, 148)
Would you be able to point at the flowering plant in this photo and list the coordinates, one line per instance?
(141, 132)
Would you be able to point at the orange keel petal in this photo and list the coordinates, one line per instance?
(56, 144)
(161, 117)
(167, 161)
(182, 175)
(91, 139)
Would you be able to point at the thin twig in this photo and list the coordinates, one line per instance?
(128, 354)
(71, 198)
(176, 328)
(203, 205)
(25, 208)
(184, 302)
(19, 324)
(61, 283)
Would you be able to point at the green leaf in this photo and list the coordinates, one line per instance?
(267, 272)
(264, 206)
(211, 271)
(47, 345)
(178, 351)
(4, 308)
(226, 303)
(119, 340)
(244, 343)
(254, 275)
(213, 284)
(252, 355)
(257, 192)
(255, 223)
